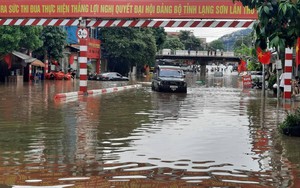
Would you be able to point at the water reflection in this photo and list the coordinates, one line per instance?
(216, 135)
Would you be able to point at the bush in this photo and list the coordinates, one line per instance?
(291, 124)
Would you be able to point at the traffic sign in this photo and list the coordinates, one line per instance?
(82, 33)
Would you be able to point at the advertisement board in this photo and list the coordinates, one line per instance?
(247, 81)
(93, 48)
(131, 9)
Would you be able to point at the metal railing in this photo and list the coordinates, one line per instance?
(195, 53)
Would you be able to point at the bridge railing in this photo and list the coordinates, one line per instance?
(194, 53)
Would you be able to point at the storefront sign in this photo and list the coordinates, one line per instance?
(93, 48)
(247, 81)
(168, 9)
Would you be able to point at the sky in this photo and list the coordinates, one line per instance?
(209, 33)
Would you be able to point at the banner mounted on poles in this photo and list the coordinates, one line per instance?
(150, 9)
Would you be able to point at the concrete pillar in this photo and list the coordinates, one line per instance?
(202, 71)
(288, 69)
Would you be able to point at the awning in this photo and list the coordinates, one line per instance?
(28, 59)
(38, 63)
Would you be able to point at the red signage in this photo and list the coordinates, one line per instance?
(247, 81)
(159, 9)
(93, 48)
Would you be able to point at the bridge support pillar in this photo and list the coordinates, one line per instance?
(202, 71)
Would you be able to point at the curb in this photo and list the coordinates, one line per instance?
(74, 95)
(111, 90)
(68, 95)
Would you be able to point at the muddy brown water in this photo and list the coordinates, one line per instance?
(216, 135)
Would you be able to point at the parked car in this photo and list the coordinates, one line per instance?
(110, 76)
(92, 76)
(57, 76)
(169, 79)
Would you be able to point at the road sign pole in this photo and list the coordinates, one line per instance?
(83, 65)
(82, 35)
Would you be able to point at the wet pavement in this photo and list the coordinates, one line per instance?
(216, 135)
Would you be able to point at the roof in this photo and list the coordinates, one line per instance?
(28, 59)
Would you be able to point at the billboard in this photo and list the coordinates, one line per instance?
(129, 9)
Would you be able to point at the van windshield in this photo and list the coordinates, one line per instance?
(170, 73)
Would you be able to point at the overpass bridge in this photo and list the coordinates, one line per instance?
(200, 57)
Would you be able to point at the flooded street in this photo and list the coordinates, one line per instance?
(216, 135)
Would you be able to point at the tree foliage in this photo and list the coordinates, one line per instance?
(54, 39)
(189, 41)
(245, 40)
(19, 38)
(160, 37)
(127, 47)
(173, 43)
(10, 37)
(278, 22)
(216, 44)
(30, 39)
(247, 53)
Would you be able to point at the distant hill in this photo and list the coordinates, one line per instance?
(230, 39)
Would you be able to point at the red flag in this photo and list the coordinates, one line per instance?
(263, 57)
(242, 66)
(7, 59)
(298, 51)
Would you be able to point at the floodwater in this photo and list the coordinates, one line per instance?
(216, 135)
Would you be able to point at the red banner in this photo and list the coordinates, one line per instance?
(93, 48)
(156, 9)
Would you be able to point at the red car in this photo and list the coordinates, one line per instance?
(57, 76)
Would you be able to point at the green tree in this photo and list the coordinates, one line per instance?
(246, 40)
(10, 37)
(20, 38)
(184, 35)
(127, 47)
(216, 44)
(160, 37)
(278, 22)
(54, 40)
(189, 41)
(31, 38)
(173, 43)
(248, 54)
